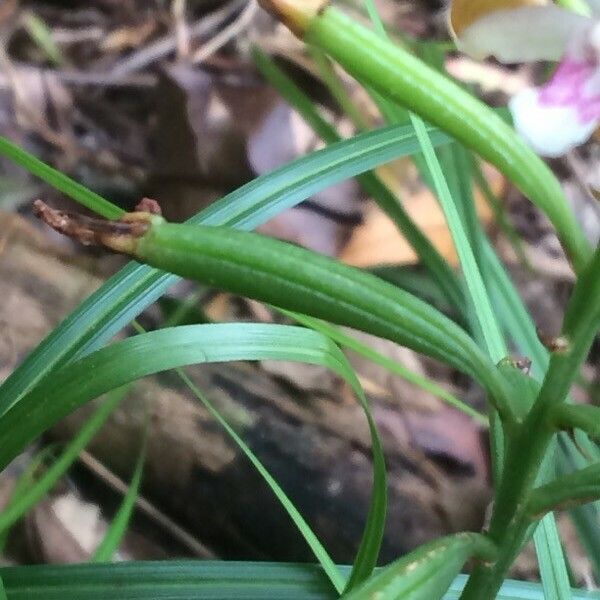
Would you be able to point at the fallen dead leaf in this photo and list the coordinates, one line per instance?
(378, 242)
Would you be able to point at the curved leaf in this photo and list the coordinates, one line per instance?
(580, 487)
(571, 416)
(67, 388)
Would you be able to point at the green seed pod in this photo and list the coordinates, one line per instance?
(426, 573)
(292, 278)
(401, 77)
(296, 279)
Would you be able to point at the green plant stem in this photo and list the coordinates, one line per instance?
(398, 75)
(493, 339)
(510, 522)
(500, 214)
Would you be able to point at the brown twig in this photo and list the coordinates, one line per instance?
(163, 47)
(178, 533)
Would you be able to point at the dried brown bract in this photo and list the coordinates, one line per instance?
(120, 235)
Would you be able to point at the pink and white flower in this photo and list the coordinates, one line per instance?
(565, 111)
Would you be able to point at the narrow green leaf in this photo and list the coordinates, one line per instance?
(580, 487)
(169, 580)
(67, 388)
(42, 36)
(118, 527)
(39, 488)
(336, 88)
(483, 310)
(302, 526)
(585, 518)
(500, 213)
(59, 181)
(204, 580)
(551, 559)
(368, 552)
(350, 342)
(23, 485)
(584, 417)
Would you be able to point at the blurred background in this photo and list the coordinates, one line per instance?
(161, 98)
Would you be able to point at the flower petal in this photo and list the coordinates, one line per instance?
(523, 34)
(563, 113)
(464, 13)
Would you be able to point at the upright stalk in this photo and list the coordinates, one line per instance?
(510, 524)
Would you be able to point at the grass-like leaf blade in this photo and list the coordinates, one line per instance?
(66, 389)
(204, 580)
(118, 527)
(39, 488)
